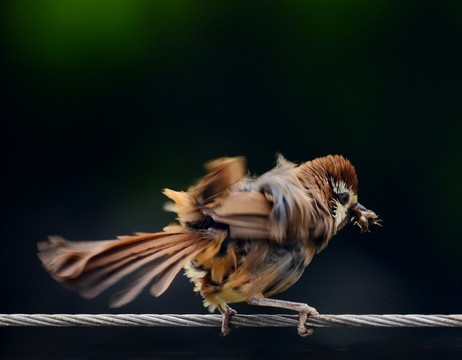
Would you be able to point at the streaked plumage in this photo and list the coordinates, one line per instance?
(239, 239)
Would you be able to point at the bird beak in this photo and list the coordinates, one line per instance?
(364, 217)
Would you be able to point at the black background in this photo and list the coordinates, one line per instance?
(106, 103)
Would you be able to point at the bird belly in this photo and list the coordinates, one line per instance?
(247, 268)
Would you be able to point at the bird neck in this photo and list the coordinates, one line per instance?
(317, 185)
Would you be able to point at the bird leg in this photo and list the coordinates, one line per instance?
(227, 313)
(304, 311)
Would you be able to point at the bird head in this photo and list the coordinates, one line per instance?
(337, 179)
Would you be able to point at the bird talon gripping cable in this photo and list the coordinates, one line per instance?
(239, 238)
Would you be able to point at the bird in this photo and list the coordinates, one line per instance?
(238, 237)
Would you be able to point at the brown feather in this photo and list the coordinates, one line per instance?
(238, 236)
(98, 282)
(277, 206)
(166, 277)
(244, 203)
(145, 277)
(93, 266)
(222, 174)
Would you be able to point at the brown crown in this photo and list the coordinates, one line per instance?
(321, 170)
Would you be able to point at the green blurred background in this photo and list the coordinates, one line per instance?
(104, 103)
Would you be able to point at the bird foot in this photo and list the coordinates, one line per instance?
(304, 312)
(225, 328)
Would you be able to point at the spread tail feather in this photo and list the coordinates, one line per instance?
(91, 267)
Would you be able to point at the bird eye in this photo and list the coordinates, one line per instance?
(343, 198)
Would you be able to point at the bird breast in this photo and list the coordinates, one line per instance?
(241, 269)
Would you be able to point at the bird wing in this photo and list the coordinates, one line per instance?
(222, 174)
(246, 212)
(276, 206)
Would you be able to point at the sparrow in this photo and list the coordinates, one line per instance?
(238, 237)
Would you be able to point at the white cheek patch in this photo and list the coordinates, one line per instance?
(340, 211)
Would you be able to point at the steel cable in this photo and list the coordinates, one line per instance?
(210, 320)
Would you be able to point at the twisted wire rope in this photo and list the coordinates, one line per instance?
(210, 320)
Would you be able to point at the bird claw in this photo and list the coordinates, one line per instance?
(306, 311)
(225, 328)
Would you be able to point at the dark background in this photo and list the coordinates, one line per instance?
(106, 103)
